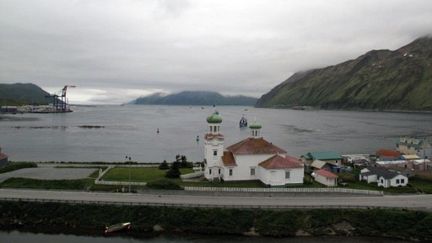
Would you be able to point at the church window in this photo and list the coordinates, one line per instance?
(209, 171)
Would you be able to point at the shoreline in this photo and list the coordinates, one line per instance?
(152, 220)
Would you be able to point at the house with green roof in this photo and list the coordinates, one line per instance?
(333, 159)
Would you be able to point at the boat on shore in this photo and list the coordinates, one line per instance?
(117, 228)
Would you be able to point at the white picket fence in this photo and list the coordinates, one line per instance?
(120, 183)
(292, 190)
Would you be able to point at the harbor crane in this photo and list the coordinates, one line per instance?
(60, 103)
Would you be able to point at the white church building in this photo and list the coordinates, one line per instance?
(253, 158)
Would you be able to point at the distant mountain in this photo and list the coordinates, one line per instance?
(379, 79)
(22, 94)
(194, 98)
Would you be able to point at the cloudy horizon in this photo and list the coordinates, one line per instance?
(115, 51)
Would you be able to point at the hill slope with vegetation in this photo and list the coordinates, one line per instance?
(380, 79)
(22, 94)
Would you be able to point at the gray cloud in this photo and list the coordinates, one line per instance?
(235, 47)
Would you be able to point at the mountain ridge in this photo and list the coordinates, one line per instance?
(379, 79)
(194, 98)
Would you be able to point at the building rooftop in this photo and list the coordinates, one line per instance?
(228, 159)
(214, 118)
(318, 164)
(324, 155)
(380, 172)
(388, 153)
(325, 173)
(281, 162)
(254, 146)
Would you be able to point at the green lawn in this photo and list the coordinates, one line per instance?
(81, 184)
(138, 174)
(421, 185)
(362, 185)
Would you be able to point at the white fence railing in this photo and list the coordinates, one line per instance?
(120, 183)
(297, 190)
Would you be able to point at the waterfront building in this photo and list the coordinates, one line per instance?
(253, 158)
(415, 146)
(388, 154)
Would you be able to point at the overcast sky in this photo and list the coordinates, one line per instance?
(115, 51)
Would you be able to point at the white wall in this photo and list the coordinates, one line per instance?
(277, 177)
(394, 182)
(325, 181)
(241, 172)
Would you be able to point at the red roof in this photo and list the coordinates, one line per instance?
(281, 162)
(326, 173)
(228, 159)
(254, 146)
(388, 153)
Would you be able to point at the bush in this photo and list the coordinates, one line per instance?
(173, 172)
(164, 184)
(164, 165)
(347, 177)
(11, 166)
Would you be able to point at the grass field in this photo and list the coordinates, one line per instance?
(81, 184)
(138, 174)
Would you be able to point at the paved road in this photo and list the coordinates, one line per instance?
(423, 202)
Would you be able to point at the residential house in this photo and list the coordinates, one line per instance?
(383, 177)
(333, 159)
(325, 177)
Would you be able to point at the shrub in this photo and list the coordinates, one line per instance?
(164, 165)
(173, 172)
(164, 184)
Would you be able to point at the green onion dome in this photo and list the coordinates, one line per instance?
(255, 125)
(214, 118)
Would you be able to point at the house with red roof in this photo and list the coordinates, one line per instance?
(252, 158)
(325, 177)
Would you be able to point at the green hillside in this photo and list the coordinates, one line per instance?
(379, 79)
(22, 94)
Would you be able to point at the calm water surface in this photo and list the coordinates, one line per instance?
(131, 130)
(20, 237)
